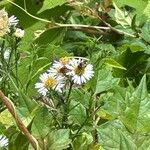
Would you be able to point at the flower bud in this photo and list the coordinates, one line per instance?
(19, 33)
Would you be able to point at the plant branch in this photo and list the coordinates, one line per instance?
(11, 108)
(59, 25)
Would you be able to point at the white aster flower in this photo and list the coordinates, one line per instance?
(80, 71)
(6, 54)
(49, 81)
(13, 21)
(3, 141)
(59, 67)
(19, 33)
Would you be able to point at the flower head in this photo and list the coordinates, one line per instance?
(4, 22)
(59, 67)
(49, 81)
(3, 141)
(19, 33)
(13, 21)
(80, 71)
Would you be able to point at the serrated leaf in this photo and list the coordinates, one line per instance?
(136, 114)
(105, 81)
(77, 113)
(49, 4)
(141, 91)
(59, 139)
(104, 115)
(137, 4)
(111, 62)
(112, 135)
(42, 123)
(122, 17)
(145, 32)
(147, 10)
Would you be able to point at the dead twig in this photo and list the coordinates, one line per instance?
(11, 108)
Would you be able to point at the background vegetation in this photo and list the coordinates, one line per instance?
(112, 110)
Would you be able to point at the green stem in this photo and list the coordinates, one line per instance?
(66, 107)
(16, 63)
(2, 55)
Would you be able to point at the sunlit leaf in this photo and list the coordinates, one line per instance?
(111, 62)
(48, 4)
(122, 17)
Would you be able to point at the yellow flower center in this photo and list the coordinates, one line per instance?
(50, 82)
(64, 60)
(79, 70)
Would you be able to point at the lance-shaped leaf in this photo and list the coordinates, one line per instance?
(48, 4)
(112, 136)
(136, 115)
(122, 17)
(111, 62)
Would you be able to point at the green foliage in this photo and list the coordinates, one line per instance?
(59, 140)
(51, 4)
(111, 111)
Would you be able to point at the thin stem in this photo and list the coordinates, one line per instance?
(16, 62)
(2, 55)
(66, 107)
(59, 25)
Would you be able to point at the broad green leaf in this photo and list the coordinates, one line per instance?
(141, 92)
(112, 135)
(59, 139)
(21, 142)
(145, 32)
(49, 4)
(42, 123)
(136, 114)
(81, 96)
(122, 17)
(6, 118)
(111, 62)
(104, 81)
(52, 36)
(134, 46)
(147, 10)
(2, 127)
(104, 115)
(83, 142)
(145, 143)
(137, 4)
(77, 113)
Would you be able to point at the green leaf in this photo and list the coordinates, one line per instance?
(137, 4)
(104, 81)
(134, 46)
(21, 142)
(136, 116)
(83, 141)
(49, 4)
(81, 96)
(145, 32)
(141, 92)
(77, 113)
(112, 135)
(59, 139)
(122, 17)
(53, 36)
(111, 62)
(42, 123)
(147, 10)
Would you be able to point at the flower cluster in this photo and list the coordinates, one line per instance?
(75, 70)
(9, 23)
(3, 141)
